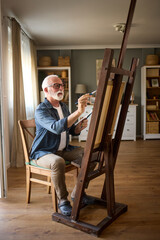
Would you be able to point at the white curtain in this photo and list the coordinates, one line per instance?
(34, 76)
(29, 75)
(7, 84)
(9, 78)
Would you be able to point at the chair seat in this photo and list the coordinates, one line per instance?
(34, 164)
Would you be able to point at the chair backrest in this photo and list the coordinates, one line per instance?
(27, 129)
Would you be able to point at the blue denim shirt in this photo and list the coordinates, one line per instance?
(49, 128)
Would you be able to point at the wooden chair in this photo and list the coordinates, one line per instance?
(27, 129)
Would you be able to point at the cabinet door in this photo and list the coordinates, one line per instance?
(129, 120)
(129, 132)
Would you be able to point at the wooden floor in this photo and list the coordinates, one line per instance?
(137, 181)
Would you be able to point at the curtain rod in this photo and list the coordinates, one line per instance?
(11, 18)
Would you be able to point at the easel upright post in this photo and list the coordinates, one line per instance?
(110, 193)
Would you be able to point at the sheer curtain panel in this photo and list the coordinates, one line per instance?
(29, 71)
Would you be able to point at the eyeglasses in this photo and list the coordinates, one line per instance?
(56, 85)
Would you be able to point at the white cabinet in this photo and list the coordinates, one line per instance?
(84, 133)
(129, 132)
(150, 102)
(64, 73)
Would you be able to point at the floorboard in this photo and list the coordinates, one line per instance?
(137, 184)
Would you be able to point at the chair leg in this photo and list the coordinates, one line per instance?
(49, 187)
(54, 198)
(28, 184)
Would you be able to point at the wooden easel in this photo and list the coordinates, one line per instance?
(103, 143)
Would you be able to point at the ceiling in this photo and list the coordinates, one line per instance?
(85, 23)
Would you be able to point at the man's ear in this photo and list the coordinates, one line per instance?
(46, 90)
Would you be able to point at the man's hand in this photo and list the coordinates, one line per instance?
(80, 126)
(82, 102)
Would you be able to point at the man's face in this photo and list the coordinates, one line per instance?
(56, 89)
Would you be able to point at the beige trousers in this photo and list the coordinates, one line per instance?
(56, 162)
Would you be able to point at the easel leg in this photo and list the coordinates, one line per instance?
(103, 195)
(110, 193)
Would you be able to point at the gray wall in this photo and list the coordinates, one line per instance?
(83, 69)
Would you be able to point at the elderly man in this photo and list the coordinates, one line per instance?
(51, 146)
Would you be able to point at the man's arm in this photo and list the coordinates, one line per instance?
(82, 103)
